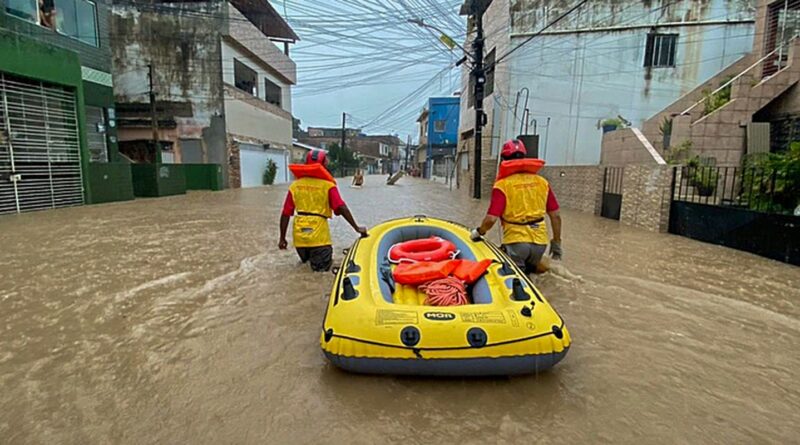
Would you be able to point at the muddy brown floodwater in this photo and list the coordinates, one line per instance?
(176, 321)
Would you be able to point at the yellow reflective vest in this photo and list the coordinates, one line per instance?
(526, 206)
(312, 210)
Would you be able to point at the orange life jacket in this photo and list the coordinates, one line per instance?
(470, 271)
(514, 166)
(414, 274)
(317, 171)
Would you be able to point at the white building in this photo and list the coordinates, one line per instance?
(258, 77)
(610, 58)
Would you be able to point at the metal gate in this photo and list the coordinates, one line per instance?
(40, 164)
(612, 192)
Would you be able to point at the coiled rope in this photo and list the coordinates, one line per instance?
(448, 291)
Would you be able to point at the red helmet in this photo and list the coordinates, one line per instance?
(317, 157)
(512, 147)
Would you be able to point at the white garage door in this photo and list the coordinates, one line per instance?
(253, 163)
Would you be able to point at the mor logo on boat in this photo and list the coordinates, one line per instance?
(440, 316)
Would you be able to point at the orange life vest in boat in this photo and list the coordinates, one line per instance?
(414, 274)
(470, 271)
(317, 171)
(514, 166)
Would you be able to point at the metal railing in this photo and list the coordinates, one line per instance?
(749, 188)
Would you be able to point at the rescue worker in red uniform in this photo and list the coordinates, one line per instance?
(521, 199)
(313, 198)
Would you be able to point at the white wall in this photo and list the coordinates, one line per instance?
(579, 79)
(229, 52)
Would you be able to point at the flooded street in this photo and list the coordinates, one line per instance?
(176, 320)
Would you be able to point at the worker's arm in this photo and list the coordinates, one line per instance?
(338, 206)
(345, 213)
(283, 244)
(286, 213)
(555, 221)
(487, 224)
(497, 206)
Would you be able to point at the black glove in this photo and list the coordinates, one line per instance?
(555, 250)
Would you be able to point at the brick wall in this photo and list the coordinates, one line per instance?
(234, 165)
(576, 187)
(622, 147)
(646, 196)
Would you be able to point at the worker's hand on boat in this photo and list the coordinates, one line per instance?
(362, 231)
(555, 250)
(475, 235)
(282, 244)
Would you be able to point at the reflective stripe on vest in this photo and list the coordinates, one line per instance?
(526, 206)
(310, 225)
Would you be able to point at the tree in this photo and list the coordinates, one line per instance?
(338, 157)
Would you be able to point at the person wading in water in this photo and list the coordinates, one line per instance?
(313, 198)
(521, 199)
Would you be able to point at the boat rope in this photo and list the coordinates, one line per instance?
(448, 291)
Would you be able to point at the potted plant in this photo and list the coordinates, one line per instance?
(611, 124)
(270, 172)
(705, 180)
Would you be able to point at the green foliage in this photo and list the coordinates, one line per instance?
(771, 181)
(712, 102)
(341, 159)
(666, 126)
(270, 172)
(681, 154)
(613, 122)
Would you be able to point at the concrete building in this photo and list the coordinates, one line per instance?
(756, 107)
(258, 79)
(608, 59)
(222, 85)
(58, 142)
(379, 154)
(438, 136)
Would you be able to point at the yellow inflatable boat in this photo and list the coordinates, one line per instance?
(373, 325)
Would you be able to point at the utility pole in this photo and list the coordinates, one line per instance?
(408, 152)
(153, 115)
(476, 9)
(341, 153)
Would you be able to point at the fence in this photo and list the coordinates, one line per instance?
(750, 209)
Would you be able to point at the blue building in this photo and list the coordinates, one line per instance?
(438, 136)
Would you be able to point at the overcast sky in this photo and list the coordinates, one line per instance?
(362, 57)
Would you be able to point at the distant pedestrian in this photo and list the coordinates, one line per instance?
(313, 198)
(358, 178)
(521, 199)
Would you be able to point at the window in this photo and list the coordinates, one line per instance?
(384, 150)
(488, 63)
(77, 19)
(73, 18)
(273, 92)
(438, 126)
(660, 50)
(86, 13)
(24, 9)
(245, 78)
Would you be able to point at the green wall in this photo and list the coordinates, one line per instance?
(25, 57)
(203, 176)
(153, 180)
(111, 182)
